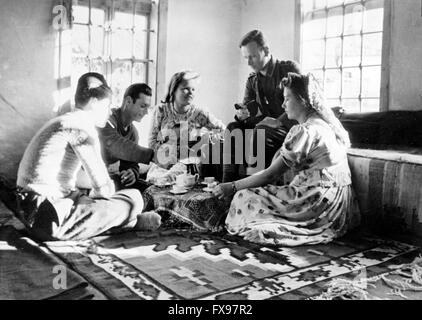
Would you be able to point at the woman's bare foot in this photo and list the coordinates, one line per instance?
(150, 221)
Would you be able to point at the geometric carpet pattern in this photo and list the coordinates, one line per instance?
(181, 264)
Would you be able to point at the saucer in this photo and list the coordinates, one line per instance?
(167, 184)
(206, 189)
(181, 191)
(215, 183)
(187, 187)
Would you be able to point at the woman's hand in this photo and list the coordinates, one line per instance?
(223, 190)
(243, 113)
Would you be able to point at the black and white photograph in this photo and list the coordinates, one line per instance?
(213, 155)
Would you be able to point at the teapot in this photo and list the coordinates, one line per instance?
(192, 165)
(192, 168)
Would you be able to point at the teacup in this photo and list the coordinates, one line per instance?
(180, 180)
(178, 188)
(212, 185)
(187, 180)
(209, 180)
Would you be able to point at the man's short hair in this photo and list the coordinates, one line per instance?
(136, 89)
(254, 36)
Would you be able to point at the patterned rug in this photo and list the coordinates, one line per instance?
(181, 264)
(30, 272)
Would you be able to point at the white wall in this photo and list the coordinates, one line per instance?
(202, 36)
(27, 43)
(406, 56)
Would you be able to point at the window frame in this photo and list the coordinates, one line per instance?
(107, 58)
(385, 50)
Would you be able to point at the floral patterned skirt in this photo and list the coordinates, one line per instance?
(293, 215)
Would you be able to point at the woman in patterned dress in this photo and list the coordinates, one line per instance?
(177, 119)
(318, 205)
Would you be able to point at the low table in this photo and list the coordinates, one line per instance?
(202, 210)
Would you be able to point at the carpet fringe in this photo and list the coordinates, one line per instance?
(356, 289)
(345, 289)
(412, 274)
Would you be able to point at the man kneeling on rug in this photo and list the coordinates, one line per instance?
(49, 204)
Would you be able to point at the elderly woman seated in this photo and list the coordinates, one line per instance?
(318, 205)
(178, 124)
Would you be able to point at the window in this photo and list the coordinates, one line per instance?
(116, 38)
(341, 44)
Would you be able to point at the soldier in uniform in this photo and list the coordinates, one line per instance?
(261, 109)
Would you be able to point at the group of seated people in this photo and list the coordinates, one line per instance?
(281, 105)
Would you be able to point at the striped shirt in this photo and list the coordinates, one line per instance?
(56, 153)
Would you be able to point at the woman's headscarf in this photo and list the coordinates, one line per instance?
(308, 89)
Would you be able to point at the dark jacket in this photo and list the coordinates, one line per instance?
(266, 92)
(120, 144)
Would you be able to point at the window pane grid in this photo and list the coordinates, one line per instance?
(344, 68)
(112, 42)
(315, 9)
(363, 33)
(352, 53)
